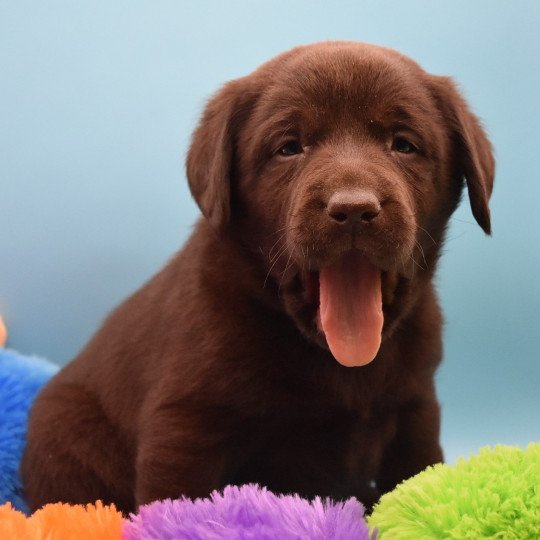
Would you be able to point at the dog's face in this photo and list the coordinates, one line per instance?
(337, 166)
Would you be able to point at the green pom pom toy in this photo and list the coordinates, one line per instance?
(495, 494)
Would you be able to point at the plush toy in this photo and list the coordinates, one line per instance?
(249, 512)
(62, 522)
(21, 378)
(495, 494)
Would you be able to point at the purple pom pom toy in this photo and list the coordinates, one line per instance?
(249, 513)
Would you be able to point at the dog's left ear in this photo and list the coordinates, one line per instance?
(473, 152)
(210, 160)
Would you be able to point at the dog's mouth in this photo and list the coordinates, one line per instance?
(347, 307)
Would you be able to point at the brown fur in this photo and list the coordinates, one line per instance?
(215, 372)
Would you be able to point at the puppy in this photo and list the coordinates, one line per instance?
(294, 339)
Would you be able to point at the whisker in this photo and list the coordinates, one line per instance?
(421, 251)
(457, 237)
(282, 232)
(281, 252)
(281, 229)
(270, 256)
(419, 265)
(463, 221)
(304, 257)
(432, 239)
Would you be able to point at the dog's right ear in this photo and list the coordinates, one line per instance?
(210, 160)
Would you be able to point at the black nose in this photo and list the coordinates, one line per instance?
(353, 206)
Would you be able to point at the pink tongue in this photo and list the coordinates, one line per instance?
(351, 309)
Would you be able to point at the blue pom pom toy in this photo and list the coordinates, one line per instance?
(21, 378)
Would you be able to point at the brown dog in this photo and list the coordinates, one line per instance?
(326, 179)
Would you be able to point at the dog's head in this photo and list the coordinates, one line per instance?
(337, 166)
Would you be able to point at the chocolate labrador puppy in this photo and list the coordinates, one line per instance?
(294, 339)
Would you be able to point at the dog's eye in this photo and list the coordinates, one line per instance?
(403, 146)
(290, 148)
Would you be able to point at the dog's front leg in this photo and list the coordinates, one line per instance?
(181, 453)
(414, 446)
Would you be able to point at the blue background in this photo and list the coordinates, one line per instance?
(98, 100)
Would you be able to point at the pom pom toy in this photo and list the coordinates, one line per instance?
(21, 378)
(495, 494)
(248, 512)
(62, 522)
